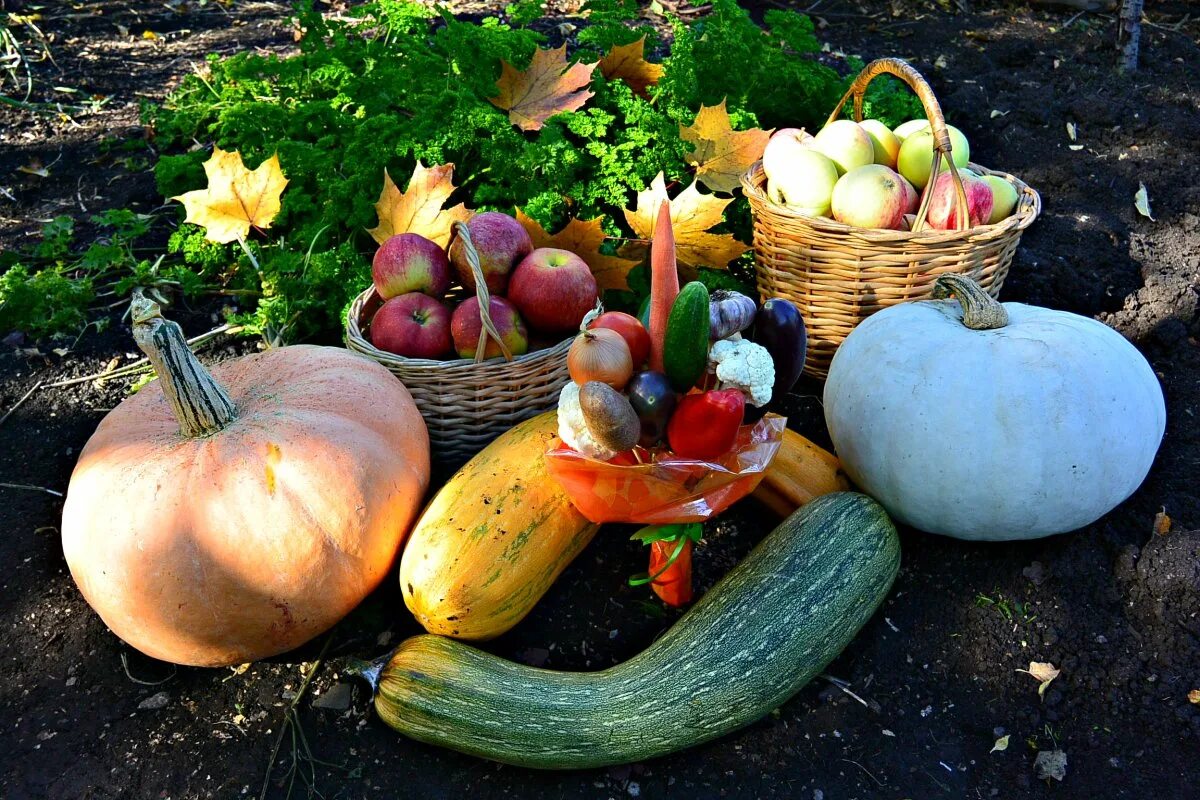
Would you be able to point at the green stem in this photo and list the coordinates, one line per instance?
(638, 580)
(367, 670)
(250, 255)
(201, 405)
(981, 311)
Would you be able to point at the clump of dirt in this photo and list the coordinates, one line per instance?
(1162, 582)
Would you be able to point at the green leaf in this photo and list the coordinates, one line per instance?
(669, 533)
(1141, 201)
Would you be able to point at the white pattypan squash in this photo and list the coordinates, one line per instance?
(992, 421)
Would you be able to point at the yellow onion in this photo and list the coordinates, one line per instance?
(601, 355)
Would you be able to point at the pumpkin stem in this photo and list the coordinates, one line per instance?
(201, 405)
(981, 311)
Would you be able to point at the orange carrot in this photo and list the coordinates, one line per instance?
(664, 283)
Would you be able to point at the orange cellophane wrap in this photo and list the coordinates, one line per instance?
(666, 488)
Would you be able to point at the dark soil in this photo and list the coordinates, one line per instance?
(1115, 606)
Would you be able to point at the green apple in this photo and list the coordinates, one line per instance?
(886, 145)
(916, 154)
(906, 129)
(846, 144)
(1004, 198)
(804, 182)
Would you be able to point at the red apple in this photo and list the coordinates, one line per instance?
(413, 325)
(912, 198)
(943, 205)
(501, 243)
(553, 289)
(407, 263)
(632, 331)
(465, 326)
(870, 197)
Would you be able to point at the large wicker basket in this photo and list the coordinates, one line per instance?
(837, 275)
(467, 403)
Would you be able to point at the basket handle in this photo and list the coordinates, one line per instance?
(488, 328)
(901, 69)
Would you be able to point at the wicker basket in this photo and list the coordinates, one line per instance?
(467, 403)
(837, 275)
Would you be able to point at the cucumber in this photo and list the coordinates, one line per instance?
(685, 348)
(753, 641)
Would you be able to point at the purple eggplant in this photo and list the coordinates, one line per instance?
(653, 400)
(779, 328)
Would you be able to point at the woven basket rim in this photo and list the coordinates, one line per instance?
(1029, 206)
(356, 341)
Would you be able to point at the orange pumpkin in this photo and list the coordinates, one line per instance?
(219, 518)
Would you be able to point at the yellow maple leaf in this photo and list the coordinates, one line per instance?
(1045, 672)
(584, 238)
(236, 197)
(692, 214)
(722, 154)
(418, 209)
(628, 62)
(547, 87)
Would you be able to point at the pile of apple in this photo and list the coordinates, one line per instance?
(863, 174)
(536, 295)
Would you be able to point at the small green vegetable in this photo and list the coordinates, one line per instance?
(685, 350)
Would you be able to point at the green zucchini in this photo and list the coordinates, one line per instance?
(748, 645)
(685, 347)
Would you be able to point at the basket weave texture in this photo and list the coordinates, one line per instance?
(466, 403)
(837, 275)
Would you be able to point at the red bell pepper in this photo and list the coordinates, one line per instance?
(674, 582)
(705, 425)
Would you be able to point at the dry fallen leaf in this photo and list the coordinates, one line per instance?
(1050, 764)
(692, 214)
(1162, 523)
(35, 167)
(1001, 745)
(236, 198)
(547, 87)
(628, 62)
(1141, 201)
(418, 209)
(1044, 671)
(1072, 131)
(584, 238)
(240, 669)
(722, 154)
